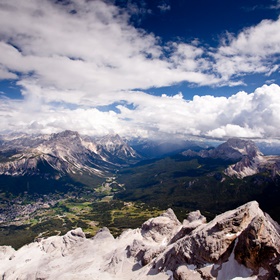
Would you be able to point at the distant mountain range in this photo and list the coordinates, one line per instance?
(246, 155)
(63, 153)
(165, 147)
(68, 152)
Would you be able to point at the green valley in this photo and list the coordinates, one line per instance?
(130, 197)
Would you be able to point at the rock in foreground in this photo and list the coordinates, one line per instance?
(240, 244)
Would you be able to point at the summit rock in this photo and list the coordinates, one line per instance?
(243, 243)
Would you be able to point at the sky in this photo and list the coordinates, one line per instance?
(152, 69)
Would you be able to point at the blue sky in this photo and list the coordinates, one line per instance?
(160, 68)
(207, 22)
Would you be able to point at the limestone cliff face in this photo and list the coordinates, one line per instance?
(63, 153)
(233, 149)
(245, 238)
(242, 243)
(246, 155)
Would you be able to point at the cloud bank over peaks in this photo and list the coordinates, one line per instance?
(240, 115)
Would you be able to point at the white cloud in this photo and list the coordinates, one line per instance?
(275, 6)
(96, 51)
(251, 115)
(6, 74)
(91, 57)
(164, 7)
(187, 57)
(233, 130)
(242, 115)
(254, 50)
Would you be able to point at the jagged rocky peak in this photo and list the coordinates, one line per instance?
(244, 154)
(241, 146)
(233, 149)
(107, 140)
(252, 161)
(69, 134)
(239, 244)
(243, 242)
(64, 153)
(115, 145)
(65, 140)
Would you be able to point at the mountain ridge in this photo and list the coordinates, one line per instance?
(65, 152)
(246, 157)
(69, 152)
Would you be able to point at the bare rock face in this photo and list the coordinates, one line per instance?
(233, 149)
(256, 245)
(6, 252)
(240, 244)
(63, 153)
(194, 219)
(246, 155)
(245, 239)
(162, 228)
(250, 166)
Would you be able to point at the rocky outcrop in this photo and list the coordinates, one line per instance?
(233, 149)
(162, 228)
(246, 155)
(250, 166)
(241, 243)
(241, 239)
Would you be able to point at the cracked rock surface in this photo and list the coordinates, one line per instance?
(239, 244)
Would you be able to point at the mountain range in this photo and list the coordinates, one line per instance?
(247, 158)
(68, 152)
(49, 186)
(243, 243)
(63, 153)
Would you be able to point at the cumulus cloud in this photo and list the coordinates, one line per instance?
(87, 46)
(255, 50)
(69, 58)
(241, 115)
